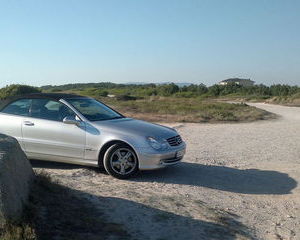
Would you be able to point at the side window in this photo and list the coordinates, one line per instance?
(49, 110)
(19, 107)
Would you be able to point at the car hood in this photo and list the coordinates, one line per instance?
(135, 127)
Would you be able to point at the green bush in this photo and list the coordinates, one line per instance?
(168, 89)
(17, 89)
(125, 98)
(185, 94)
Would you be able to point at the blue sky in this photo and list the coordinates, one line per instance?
(67, 41)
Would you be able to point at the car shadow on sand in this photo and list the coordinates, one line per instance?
(247, 181)
(66, 213)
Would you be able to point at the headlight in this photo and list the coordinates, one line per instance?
(156, 144)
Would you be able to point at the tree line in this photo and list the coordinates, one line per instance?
(143, 90)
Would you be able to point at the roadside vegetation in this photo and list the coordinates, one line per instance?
(170, 102)
(17, 89)
(171, 109)
(57, 212)
(293, 100)
(255, 92)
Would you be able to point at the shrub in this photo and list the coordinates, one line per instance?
(168, 89)
(103, 93)
(17, 89)
(125, 98)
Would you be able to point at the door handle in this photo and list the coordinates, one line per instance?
(28, 123)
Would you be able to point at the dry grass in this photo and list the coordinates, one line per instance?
(18, 231)
(166, 109)
(293, 100)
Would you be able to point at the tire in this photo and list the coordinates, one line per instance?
(120, 161)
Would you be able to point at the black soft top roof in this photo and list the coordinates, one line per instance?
(53, 96)
(56, 96)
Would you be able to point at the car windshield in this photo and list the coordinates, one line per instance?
(93, 110)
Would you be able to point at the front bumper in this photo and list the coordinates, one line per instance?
(151, 159)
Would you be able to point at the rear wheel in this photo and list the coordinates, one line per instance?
(120, 161)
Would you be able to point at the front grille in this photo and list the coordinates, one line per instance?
(174, 141)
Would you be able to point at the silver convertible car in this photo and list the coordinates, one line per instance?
(81, 130)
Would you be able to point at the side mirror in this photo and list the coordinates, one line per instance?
(71, 120)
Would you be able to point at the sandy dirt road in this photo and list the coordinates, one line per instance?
(237, 181)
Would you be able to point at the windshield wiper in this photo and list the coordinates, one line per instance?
(114, 118)
(96, 120)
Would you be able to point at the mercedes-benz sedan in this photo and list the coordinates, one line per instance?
(81, 130)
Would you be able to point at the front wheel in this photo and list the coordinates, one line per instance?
(120, 161)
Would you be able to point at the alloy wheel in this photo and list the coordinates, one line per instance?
(123, 161)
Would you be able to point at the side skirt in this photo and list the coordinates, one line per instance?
(54, 158)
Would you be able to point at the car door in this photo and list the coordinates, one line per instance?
(11, 118)
(46, 137)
